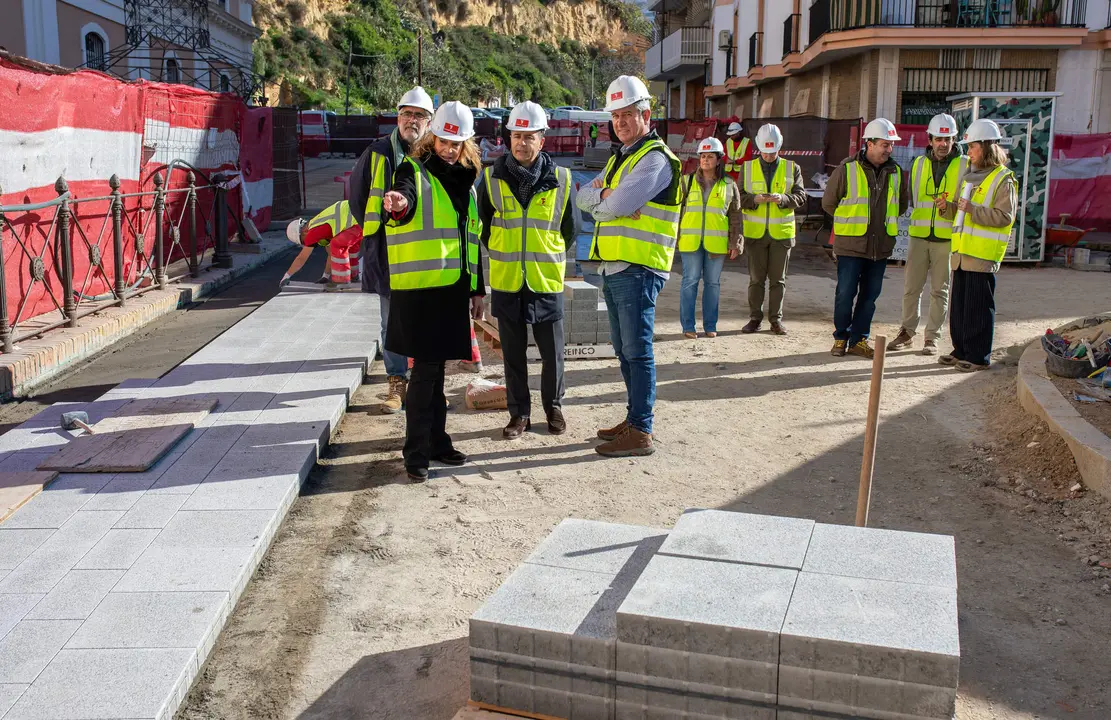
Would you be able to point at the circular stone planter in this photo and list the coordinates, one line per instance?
(1038, 395)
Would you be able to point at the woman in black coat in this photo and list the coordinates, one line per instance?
(433, 325)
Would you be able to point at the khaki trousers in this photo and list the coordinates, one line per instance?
(926, 259)
(767, 262)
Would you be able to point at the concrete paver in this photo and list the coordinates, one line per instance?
(740, 538)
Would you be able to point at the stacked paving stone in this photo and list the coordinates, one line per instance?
(735, 616)
(585, 318)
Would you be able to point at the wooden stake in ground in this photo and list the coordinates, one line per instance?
(864, 498)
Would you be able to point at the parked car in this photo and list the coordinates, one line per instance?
(568, 107)
(480, 113)
(498, 112)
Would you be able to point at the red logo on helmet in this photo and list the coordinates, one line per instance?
(944, 130)
(617, 95)
(769, 144)
(891, 132)
(522, 122)
(448, 127)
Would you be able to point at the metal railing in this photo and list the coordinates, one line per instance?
(755, 49)
(791, 31)
(963, 80)
(834, 15)
(142, 232)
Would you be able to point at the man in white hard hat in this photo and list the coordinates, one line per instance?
(635, 204)
(524, 201)
(866, 194)
(737, 148)
(771, 192)
(371, 179)
(933, 179)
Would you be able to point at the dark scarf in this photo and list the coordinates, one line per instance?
(526, 177)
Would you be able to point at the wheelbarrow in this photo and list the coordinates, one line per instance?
(1062, 234)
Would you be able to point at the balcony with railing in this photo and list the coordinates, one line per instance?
(755, 50)
(836, 15)
(683, 52)
(792, 28)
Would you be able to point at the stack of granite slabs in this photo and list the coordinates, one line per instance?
(545, 641)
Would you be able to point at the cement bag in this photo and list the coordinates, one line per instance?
(485, 395)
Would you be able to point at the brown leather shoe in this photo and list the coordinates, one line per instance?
(862, 349)
(778, 329)
(516, 428)
(903, 340)
(613, 432)
(630, 443)
(556, 424)
(840, 347)
(751, 327)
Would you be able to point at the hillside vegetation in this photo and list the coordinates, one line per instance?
(473, 50)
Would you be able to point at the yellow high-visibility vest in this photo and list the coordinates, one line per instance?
(650, 239)
(336, 216)
(778, 222)
(706, 219)
(427, 251)
(526, 245)
(983, 241)
(923, 212)
(853, 212)
(734, 154)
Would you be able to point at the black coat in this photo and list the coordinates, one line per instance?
(435, 323)
(525, 305)
(376, 266)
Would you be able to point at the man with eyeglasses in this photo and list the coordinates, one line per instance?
(525, 204)
(371, 179)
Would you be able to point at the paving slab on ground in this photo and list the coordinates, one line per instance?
(114, 587)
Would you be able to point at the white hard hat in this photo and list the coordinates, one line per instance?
(881, 129)
(981, 130)
(417, 98)
(942, 125)
(528, 117)
(453, 121)
(711, 144)
(733, 129)
(293, 230)
(769, 139)
(626, 90)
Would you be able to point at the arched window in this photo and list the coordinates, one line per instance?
(171, 73)
(96, 51)
(225, 83)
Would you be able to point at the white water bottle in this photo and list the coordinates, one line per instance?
(966, 193)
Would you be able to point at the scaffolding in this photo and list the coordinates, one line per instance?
(156, 30)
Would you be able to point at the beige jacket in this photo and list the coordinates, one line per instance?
(1001, 213)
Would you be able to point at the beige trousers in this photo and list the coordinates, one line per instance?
(926, 259)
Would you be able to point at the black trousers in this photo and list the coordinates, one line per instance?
(514, 348)
(425, 414)
(972, 315)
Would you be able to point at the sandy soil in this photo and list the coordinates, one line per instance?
(360, 609)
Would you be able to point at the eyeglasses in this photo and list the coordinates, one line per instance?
(409, 115)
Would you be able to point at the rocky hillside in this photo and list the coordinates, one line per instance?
(473, 50)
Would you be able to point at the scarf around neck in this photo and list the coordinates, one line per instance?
(526, 177)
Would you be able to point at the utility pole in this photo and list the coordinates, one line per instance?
(347, 84)
(420, 57)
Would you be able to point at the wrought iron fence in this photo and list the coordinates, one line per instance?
(140, 234)
(755, 42)
(791, 27)
(827, 15)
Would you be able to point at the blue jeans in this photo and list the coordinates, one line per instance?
(396, 365)
(700, 265)
(631, 302)
(861, 279)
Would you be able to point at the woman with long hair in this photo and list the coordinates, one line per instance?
(436, 282)
(984, 216)
(709, 228)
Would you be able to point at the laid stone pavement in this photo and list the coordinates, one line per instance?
(114, 588)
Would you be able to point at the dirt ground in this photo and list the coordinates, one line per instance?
(360, 609)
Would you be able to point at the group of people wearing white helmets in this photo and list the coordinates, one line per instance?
(426, 207)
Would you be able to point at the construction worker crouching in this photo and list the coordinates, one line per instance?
(524, 204)
(933, 179)
(866, 194)
(984, 218)
(771, 194)
(436, 283)
(635, 204)
(371, 179)
(737, 149)
(708, 229)
(333, 228)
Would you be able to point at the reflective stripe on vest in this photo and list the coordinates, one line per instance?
(923, 212)
(426, 252)
(372, 216)
(526, 244)
(706, 220)
(982, 241)
(769, 218)
(734, 154)
(853, 212)
(650, 239)
(336, 216)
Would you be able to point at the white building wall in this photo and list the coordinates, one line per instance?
(722, 19)
(775, 14)
(747, 23)
(1077, 75)
(1098, 14)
